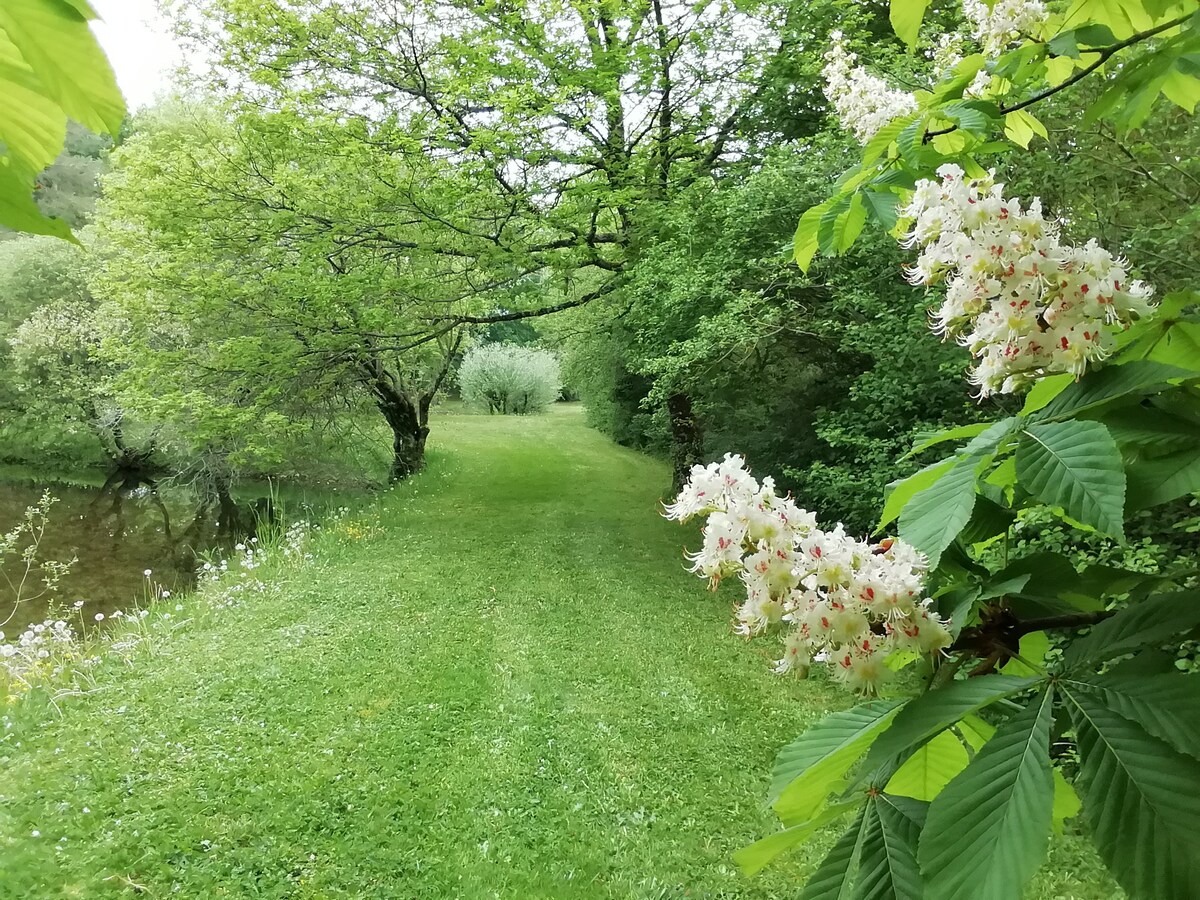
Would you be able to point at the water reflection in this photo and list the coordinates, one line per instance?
(116, 531)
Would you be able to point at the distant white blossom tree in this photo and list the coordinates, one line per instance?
(508, 379)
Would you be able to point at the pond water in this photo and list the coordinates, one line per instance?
(115, 531)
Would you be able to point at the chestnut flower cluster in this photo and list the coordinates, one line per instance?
(864, 102)
(996, 25)
(1024, 303)
(946, 55)
(838, 599)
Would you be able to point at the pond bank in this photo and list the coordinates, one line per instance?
(117, 529)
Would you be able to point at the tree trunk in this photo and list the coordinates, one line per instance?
(111, 435)
(229, 517)
(408, 455)
(409, 432)
(687, 438)
(407, 417)
(130, 458)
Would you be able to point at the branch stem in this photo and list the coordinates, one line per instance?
(1104, 54)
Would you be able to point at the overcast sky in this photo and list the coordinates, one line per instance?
(139, 46)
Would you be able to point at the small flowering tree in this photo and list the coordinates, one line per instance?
(58, 362)
(953, 791)
(508, 378)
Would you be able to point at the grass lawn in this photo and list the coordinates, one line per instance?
(498, 681)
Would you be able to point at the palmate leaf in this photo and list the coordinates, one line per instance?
(1075, 465)
(1101, 581)
(959, 605)
(805, 241)
(18, 210)
(1045, 390)
(941, 507)
(832, 225)
(1142, 800)
(1048, 573)
(1067, 43)
(1171, 337)
(1133, 91)
(834, 878)
(55, 41)
(1020, 127)
(933, 517)
(961, 75)
(883, 138)
(977, 732)
(1166, 478)
(952, 143)
(1133, 378)
(972, 116)
(911, 144)
(1180, 346)
(988, 520)
(888, 859)
(906, 16)
(925, 440)
(1152, 431)
(898, 493)
(900, 178)
(937, 710)
(850, 224)
(960, 569)
(1182, 88)
(51, 68)
(988, 830)
(1155, 620)
(924, 774)
(32, 127)
(82, 7)
(1154, 661)
(1032, 650)
(882, 206)
(808, 769)
(989, 439)
(1167, 706)
(757, 856)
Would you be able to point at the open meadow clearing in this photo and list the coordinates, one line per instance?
(498, 681)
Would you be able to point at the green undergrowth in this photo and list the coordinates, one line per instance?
(496, 681)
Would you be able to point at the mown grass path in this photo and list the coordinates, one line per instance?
(499, 682)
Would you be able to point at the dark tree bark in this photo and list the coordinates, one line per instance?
(132, 458)
(409, 433)
(229, 516)
(111, 436)
(687, 438)
(406, 410)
